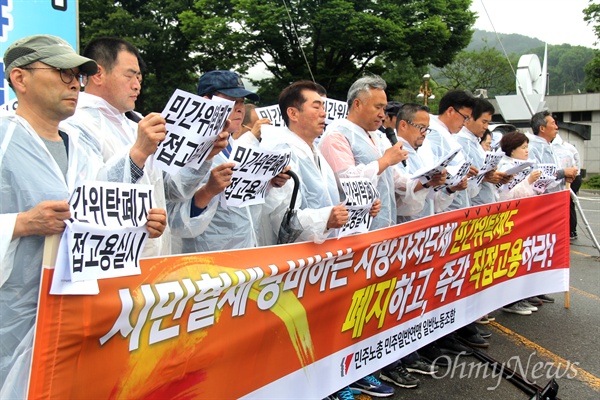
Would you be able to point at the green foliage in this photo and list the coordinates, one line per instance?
(592, 74)
(152, 26)
(486, 68)
(513, 43)
(592, 16)
(341, 39)
(592, 70)
(592, 182)
(569, 66)
(566, 67)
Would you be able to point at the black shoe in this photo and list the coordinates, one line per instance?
(400, 377)
(421, 367)
(433, 355)
(485, 333)
(545, 298)
(535, 301)
(477, 341)
(451, 346)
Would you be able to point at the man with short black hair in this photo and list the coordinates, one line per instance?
(127, 146)
(412, 126)
(468, 138)
(319, 209)
(41, 162)
(455, 110)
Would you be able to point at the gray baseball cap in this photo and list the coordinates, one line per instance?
(226, 82)
(48, 49)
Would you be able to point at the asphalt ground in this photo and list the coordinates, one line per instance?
(554, 342)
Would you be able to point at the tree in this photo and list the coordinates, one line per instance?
(566, 67)
(592, 69)
(483, 69)
(152, 26)
(341, 39)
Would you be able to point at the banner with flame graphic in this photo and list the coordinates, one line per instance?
(303, 318)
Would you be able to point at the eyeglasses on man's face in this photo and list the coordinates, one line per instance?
(66, 75)
(421, 128)
(466, 118)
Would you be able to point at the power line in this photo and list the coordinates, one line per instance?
(298, 39)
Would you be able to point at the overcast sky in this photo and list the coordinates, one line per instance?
(552, 21)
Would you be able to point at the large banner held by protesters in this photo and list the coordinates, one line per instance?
(303, 318)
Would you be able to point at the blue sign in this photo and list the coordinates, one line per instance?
(20, 18)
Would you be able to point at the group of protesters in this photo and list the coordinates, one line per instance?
(75, 121)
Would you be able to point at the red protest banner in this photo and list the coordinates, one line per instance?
(303, 317)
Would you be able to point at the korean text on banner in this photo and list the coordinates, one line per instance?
(306, 319)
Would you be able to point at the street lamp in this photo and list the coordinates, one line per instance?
(425, 91)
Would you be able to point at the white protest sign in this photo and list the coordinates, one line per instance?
(61, 279)
(100, 252)
(335, 109)
(489, 164)
(254, 169)
(520, 171)
(360, 196)
(425, 174)
(271, 112)
(193, 124)
(547, 178)
(111, 203)
(107, 230)
(519, 167)
(455, 175)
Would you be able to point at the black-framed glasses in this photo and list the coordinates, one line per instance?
(422, 129)
(66, 75)
(463, 115)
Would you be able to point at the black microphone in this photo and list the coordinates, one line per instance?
(391, 135)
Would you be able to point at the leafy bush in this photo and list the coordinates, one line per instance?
(593, 182)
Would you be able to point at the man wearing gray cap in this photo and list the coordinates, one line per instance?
(40, 164)
(202, 224)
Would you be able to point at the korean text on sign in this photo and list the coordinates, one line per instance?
(108, 229)
(193, 124)
(271, 112)
(254, 169)
(360, 196)
(111, 204)
(335, 109)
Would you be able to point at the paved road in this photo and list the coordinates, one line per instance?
(554, 342)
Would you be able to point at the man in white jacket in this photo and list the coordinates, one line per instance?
(41, 163)
(127, 146)
(355, 147)
(318, 204)
(202, 223)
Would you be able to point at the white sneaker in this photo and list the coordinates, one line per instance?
(528, 305)
(517, 308)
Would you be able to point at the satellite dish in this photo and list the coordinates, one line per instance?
(529, 75)
(531, 87)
